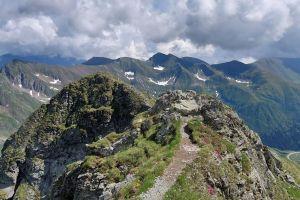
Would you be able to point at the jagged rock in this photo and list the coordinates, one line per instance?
(145, 126)
(290, 179)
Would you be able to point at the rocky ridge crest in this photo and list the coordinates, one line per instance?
(92, 140)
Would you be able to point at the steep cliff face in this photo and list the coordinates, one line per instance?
(99, 139)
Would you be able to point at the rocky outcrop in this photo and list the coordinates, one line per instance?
(56, 135)
(254, 165)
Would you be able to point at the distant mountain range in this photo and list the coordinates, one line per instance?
(266, 94)
(50, 60)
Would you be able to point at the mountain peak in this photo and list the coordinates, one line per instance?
(160, 58)
(233, 68)
(98, 61)
(46, 59)
(235, 62)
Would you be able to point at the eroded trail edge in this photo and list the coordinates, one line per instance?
(186, 153)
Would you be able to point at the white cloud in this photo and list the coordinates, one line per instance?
(247, 60)
(182, 47)
(211, 29)
(29, 30)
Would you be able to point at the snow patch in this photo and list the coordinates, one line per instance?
(200, 78)
(20, 85)
(55, 81)
(247, 60)
(217, 94)
(163, 83)
(159, 68)
(129, 75)
(30, 92)
(242, 81)
(239, 80)
(37, 75)
(54, 88)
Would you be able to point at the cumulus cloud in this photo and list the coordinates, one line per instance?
(214, 30)
(247, 60)
(182, 47)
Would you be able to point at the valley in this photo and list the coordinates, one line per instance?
(289, 155)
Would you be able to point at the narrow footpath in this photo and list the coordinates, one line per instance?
(186, 153)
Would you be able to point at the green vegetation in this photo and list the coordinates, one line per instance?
(23, 192)
(15, 104)
(291, 166)
(283, 190)
(203, 134)
(195, 127)
(183, 190)
(2, 195)
(293, 191)
(263, 103)
(12, 155)
(147, 159)
(229, 146)
(246, 165)
(107, 140)
(15, 107)
(192, 183)
(157, 158)
(295, 157)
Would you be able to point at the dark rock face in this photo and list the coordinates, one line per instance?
(57, 134)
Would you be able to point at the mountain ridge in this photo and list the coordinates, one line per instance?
(256, 90)
(100, 138)
(46, 59)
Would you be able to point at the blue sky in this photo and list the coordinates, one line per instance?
(213, 30)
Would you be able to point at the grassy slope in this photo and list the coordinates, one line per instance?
(146, 159)
(191, 185)
(293, 167)
(15, 107)
(270, 105)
